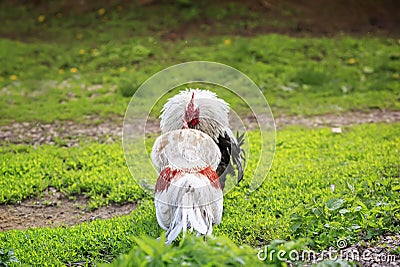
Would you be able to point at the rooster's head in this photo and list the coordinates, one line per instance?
(191, 118)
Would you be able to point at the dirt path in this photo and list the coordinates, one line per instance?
(70, 133)
(55, 209)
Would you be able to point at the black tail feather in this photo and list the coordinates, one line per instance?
(239, 155)
(231, 150)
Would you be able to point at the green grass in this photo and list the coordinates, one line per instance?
(68, 71)
(191, 251)
(283, 68)
(218, 251)
(95, 170)
(295, 201)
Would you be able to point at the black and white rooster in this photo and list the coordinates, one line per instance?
(188, 193)
(204, 111)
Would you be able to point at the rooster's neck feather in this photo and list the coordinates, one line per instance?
(213, 117)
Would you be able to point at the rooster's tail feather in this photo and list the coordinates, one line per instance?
(189, 214)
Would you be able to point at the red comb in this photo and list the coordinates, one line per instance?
(190, 111)
(191, 103)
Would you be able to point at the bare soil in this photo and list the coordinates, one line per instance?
(55, 209)
(374, 253)
(68, 133)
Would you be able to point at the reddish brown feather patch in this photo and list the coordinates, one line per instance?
(212, 176)
(166, 175)
(164, 179)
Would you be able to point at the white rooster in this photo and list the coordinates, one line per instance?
(188, 193)
(203, 110)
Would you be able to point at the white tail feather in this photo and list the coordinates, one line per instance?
(190, 214)
(175, 228)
